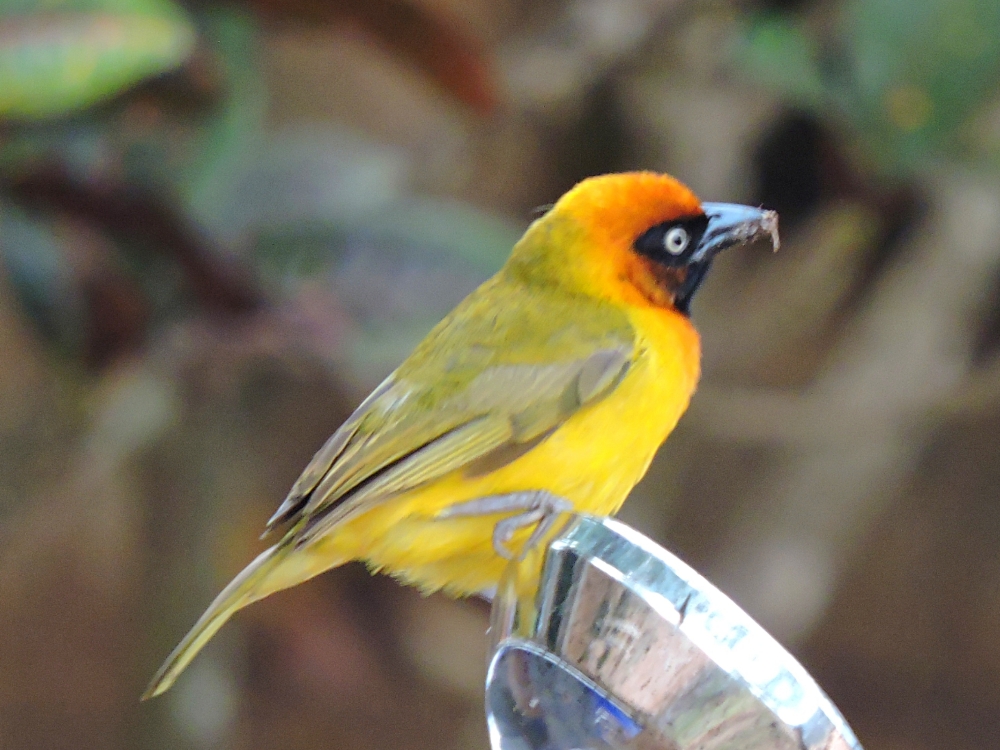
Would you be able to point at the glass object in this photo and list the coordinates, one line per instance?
(604, 640)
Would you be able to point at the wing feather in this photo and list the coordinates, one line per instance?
(321, 463)
(435, 459)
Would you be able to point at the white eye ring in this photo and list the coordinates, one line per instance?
(676, 240)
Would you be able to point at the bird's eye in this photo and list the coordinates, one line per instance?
(676, 240)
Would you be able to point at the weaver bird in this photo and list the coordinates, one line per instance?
(548, 389)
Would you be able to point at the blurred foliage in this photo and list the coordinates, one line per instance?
(171, 197)
(60, 56)
(394, 273)
(904, 76)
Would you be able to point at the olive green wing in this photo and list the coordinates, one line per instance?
(482, 389)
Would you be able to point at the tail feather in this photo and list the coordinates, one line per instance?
(249, 586)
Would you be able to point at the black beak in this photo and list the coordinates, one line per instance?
(732, 224)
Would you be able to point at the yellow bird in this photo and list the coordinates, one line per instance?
(549, 388)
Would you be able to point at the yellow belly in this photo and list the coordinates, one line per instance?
(593, 461)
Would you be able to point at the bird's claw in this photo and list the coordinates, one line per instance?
(537, 508)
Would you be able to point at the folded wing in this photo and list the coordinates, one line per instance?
(473, 397)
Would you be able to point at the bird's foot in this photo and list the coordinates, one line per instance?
(536, 508)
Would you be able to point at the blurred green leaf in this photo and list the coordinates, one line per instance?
(186, 152)
(780, 53)
(921, 69)
(162, 8)
(303, 175)
(34, 258)
(408, 234)
(59, 62)
(215, 163)
(907, 75)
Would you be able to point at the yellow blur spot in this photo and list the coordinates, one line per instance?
(909, 107)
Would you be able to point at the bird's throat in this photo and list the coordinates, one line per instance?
(684, 291)
(667, 286)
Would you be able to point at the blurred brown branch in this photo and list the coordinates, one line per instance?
(420, 34)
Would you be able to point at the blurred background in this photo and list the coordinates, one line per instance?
(222, 223)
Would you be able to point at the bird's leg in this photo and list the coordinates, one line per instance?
(537, 508)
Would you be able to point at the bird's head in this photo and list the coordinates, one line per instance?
(638, 238)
